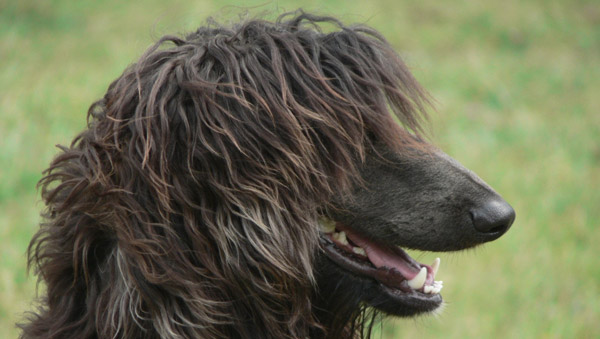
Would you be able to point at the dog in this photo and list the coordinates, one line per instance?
(257, 180)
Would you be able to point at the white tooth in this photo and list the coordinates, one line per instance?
(419, 280)
(327, 225)
(435, 266)
(340, 237)
(359, 250)
(428, 289)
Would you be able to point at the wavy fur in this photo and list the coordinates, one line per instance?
(188, 207)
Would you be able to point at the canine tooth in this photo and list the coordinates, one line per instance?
(327, 225)
(435, 266)
(359, 250)
(340, 237)
(419, 280)
(428, 289)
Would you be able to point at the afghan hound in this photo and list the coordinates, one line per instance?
(257, 180)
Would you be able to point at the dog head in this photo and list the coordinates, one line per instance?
(190, 205)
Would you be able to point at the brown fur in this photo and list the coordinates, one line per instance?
(188, 207)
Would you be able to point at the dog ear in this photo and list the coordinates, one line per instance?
(210, 215)
(214, 253)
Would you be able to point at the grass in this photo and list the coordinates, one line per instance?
(516, 84)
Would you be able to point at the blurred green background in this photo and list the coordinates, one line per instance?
(517, 85)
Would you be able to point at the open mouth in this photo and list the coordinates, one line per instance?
(391, 266)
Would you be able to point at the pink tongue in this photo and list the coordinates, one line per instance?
(384, 257)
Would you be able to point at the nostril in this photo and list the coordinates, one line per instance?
(493, 217)
(500, 228)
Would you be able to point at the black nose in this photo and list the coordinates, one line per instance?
(493, 217)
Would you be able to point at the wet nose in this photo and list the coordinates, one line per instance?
(494, 217)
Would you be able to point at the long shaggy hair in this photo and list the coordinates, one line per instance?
(188, 207)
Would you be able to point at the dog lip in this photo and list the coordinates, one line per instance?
(419, 302)
(375, 259)
(362, 266)
(388, 287)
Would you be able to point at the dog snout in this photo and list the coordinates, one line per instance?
(493, 217)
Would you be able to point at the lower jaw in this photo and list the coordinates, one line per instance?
(403, 304)
(383, 291)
